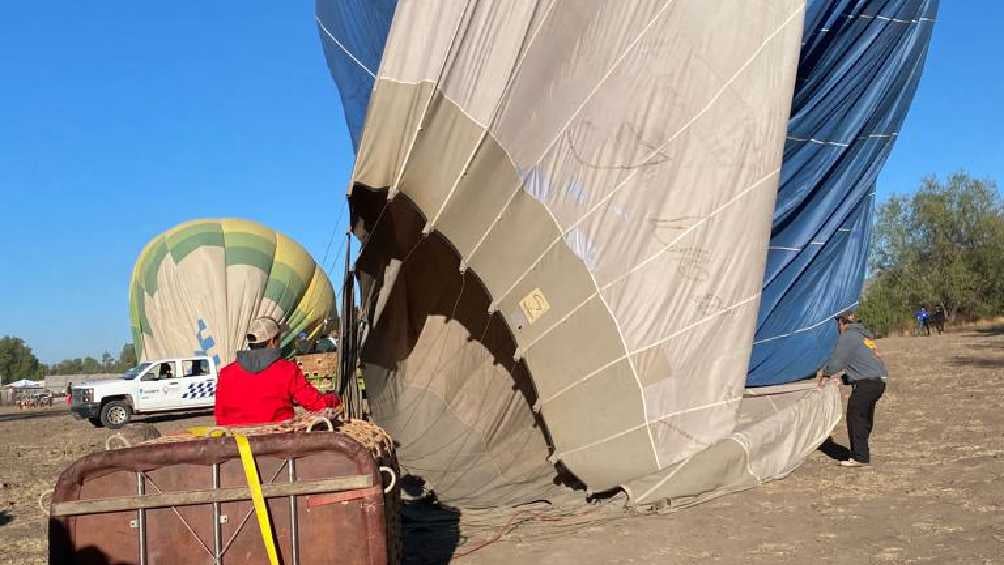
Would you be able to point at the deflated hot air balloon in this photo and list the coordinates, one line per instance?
(564, 211)
(196, 287)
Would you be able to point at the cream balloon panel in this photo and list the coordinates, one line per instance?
(485, 46)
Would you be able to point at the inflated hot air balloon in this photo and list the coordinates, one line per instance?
(564, 211)
(196, 287)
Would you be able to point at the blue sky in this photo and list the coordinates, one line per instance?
(956, 118)
(121, 119)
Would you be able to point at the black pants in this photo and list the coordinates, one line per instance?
(861, 414)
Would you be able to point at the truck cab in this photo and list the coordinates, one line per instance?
(165, 385)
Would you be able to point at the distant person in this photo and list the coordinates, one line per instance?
(302, 344)
(856, 361)
(261, 387)
(165, 371)
(938, 319)
(69, 393)
(922, 315)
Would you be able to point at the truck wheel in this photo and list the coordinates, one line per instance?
(115, 414)
(96, 422)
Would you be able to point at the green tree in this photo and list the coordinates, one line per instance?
(942, 245)
(17, 361)
(68, 367)
(91, 366)
(127, 357)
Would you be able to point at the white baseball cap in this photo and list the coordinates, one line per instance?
(263, 329)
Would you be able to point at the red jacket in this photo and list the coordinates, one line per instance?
(244, 397)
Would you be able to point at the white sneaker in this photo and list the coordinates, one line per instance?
(852, 463)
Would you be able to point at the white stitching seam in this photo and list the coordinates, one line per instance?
(889, 19)
(843, 143)
(783, 248)
(810, 327)
(663, 480)
(343, 48)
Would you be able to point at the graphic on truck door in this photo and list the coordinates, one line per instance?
(156, 386)
(198, 385)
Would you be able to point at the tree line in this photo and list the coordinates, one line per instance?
(18, 361)
(942, 245)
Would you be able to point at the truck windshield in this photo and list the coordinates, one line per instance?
(131, 373)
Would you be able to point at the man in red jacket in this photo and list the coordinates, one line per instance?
(261, 387)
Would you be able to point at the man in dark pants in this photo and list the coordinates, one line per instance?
(855, 359)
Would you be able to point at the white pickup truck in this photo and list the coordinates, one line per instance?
(166, 385)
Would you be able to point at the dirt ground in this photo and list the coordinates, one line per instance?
(934, 494)
(35, 446)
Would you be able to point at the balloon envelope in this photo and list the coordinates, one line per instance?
(196, 287)
(565, 210)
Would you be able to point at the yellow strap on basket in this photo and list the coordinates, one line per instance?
(208, 431)
(254, 483)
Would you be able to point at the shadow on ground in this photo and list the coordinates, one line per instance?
(978, 362)
(993, 346)
(33, 415)
(5, 517)
(986, 332)
(139, 418)
(160, 418)
(834, 450)
(431, 532)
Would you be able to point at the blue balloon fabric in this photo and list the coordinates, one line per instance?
(353, 34)
(860, 64)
